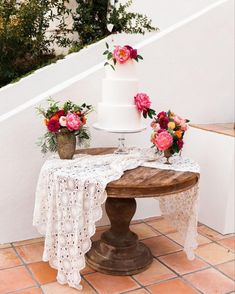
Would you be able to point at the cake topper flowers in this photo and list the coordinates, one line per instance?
(168, 132)
(143, 103)
(120, 54)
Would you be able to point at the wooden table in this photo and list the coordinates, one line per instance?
(119, 251)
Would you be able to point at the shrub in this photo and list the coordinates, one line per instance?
(24, 44)
(93, 16)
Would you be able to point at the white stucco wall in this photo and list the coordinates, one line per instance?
(190, 70)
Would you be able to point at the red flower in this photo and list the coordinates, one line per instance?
(53, 125)
(133, 52)
(162, 114)
(163, 122)
(180, 144)
(60, 113)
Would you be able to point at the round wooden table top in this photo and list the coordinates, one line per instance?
(145, 181)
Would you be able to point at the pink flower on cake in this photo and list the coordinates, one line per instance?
(133, 52)
(142, 102)
(163, 141)
(73, 121)
(121, 54)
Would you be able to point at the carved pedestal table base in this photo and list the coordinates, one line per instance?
(119, 251)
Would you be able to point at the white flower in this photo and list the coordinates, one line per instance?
(62, 121)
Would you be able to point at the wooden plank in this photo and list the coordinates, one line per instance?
(146, 182)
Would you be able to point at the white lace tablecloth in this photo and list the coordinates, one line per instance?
(68, 202)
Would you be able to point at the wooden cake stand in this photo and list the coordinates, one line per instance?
(119, 252)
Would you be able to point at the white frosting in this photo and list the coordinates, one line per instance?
(118, 117)
(115, 91)
(123, 71)
(117, 110)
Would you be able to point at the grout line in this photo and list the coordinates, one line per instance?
(28, 270)
(17, 291)
(90, 284)
(129, 291)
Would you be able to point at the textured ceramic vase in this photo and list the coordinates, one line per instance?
(167, 155)
(66, 144)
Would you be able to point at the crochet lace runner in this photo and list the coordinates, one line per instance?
(68, 202)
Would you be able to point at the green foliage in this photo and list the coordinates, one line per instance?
(128, 22)
(93, 16)
(24, 45)
(47, 143)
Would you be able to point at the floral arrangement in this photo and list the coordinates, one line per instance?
(70, 118)
(121, 54)
(168, 132)
(143, 103)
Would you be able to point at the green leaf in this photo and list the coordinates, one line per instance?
(106, 63)
(106, 52)
(140, 57)
(110, 55)
(107, 45)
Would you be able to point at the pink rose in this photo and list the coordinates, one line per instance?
(73, 121)
(142, 102)
(183, 125)
(163, 141)
(177, 119)
(121, 54)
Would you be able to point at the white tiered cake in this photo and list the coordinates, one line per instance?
(117, 110)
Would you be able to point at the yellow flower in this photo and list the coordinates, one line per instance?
(171, 125)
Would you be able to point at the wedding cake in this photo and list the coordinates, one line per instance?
(117, 110)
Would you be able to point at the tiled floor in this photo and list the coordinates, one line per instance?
(212, 272)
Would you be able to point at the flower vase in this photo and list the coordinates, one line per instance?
(66, 144)
(167, 155)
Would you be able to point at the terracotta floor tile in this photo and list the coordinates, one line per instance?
(15, 279)
(210, 281)
(161, 245)
(87, 270)
(33, 290)
(214, 253)
(143, 231)
(175, 286)
(162, 225)
(139, 291)
(178, 239)
(180, 263)
(6, 245)
(42, 272)
(228, 243)
(32, 252)
(228, 268)
(56, 288)
(155, 273)
(108, 284)
(30, 241)
(8, 258)
(209, 233)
